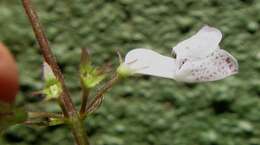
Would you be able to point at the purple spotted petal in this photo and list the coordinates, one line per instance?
(216, 66)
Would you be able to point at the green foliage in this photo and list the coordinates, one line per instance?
(143, 111)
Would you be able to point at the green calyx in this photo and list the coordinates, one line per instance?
(52, 88)
(124, 71)
(90, 76)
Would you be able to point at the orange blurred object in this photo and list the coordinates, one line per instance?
(9, 79)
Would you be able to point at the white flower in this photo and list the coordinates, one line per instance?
(198, 59)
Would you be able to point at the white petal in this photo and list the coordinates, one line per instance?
(204, 42)
(145, 61)
(216, 66)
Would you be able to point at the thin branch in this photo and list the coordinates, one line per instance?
(84, 97)
(66, 103)
(99, 96)
(84, 61)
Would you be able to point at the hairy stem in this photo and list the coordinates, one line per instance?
(66, 104)
(84, 61)
(85, 96)
(98, 98)
(78, 130)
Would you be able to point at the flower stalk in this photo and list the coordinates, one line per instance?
(95, 103)
(84, 100)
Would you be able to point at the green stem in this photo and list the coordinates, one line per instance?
(84, 100)
(78, 130)
(92, 106)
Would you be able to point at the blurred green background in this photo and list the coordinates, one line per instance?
(143, 110)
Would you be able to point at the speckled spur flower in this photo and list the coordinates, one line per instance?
(198, 59)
